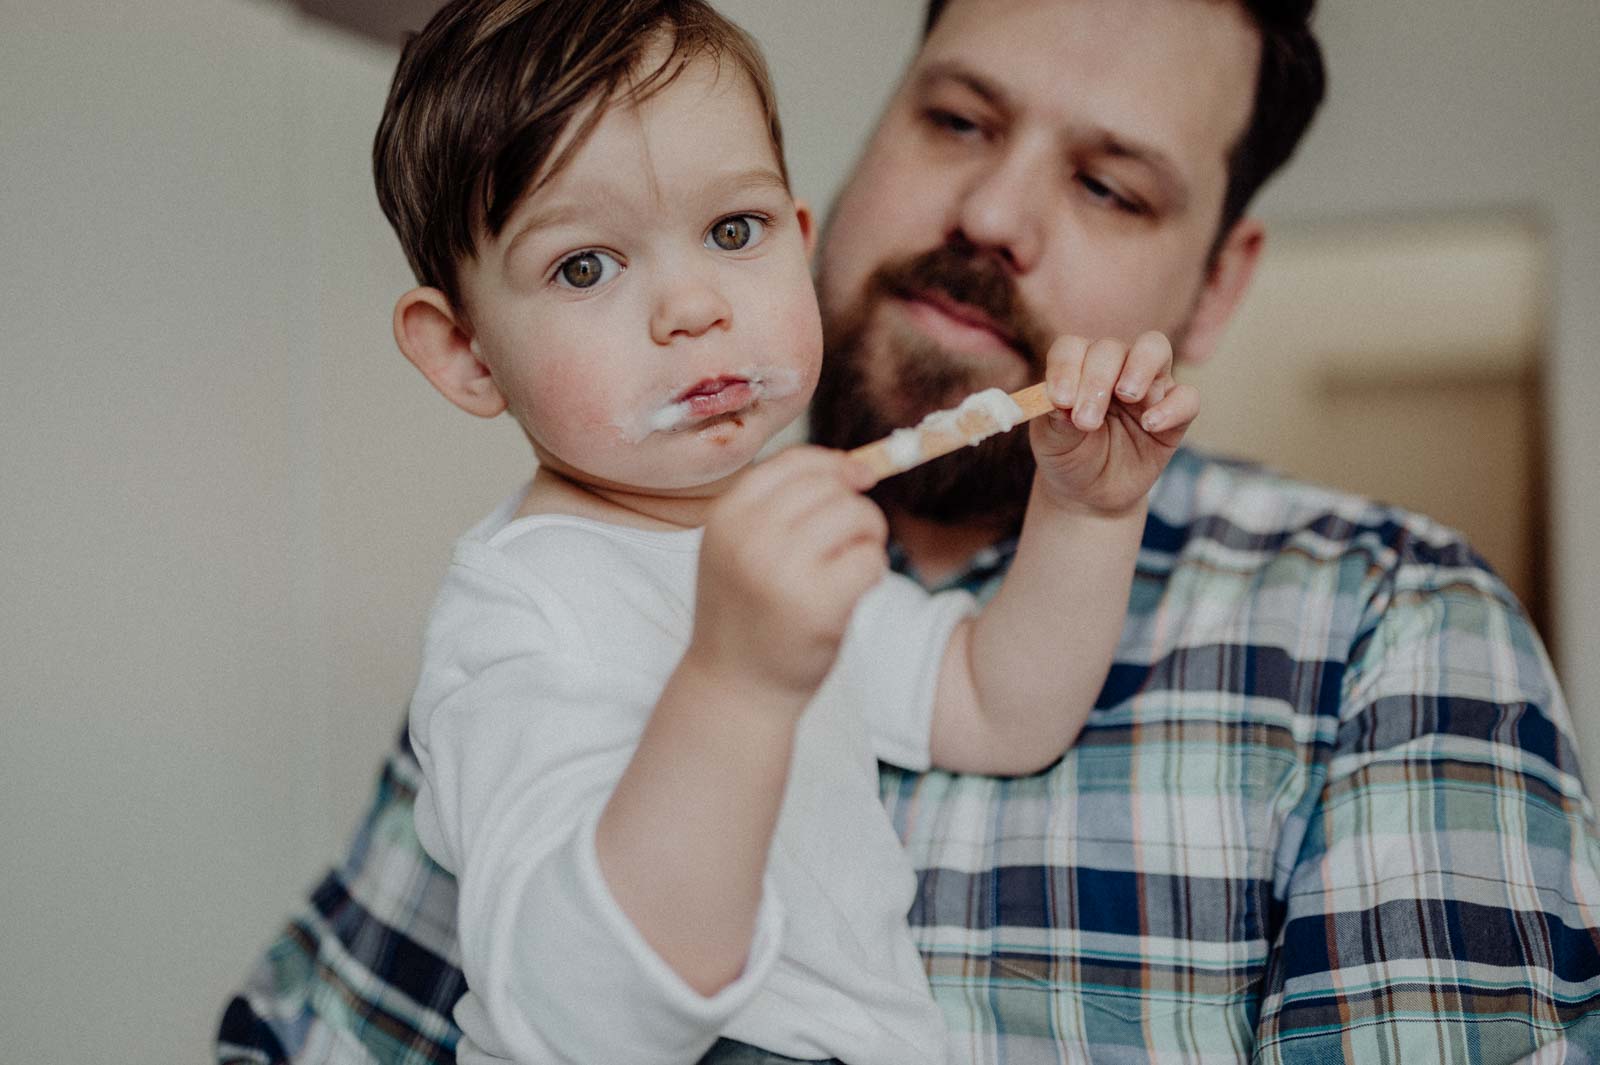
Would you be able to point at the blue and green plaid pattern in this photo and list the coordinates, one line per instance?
(1327, 809)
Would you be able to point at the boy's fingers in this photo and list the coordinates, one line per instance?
(794, 505)
(1102, 365)
(1150, 356)
(861, 566)
(842, 530)
(1158, 390)
(793, 463)
(1063, 364)
(858, 475)
(1174, 413)
(1064, 436)
(841, 556)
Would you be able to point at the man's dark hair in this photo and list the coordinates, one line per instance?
(1289, 89)
(483, 94)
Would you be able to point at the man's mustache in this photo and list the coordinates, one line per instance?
(962, 272)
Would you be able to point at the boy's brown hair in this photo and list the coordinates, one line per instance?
(483, 93)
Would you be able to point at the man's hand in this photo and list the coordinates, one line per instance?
(1119, 417)
(787, 552)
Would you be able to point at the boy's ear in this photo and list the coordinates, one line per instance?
(1226, 283)
(808, 226)
(434, 338)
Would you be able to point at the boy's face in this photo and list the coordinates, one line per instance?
(648, 314)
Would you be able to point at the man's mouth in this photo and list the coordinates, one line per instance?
(956, 325)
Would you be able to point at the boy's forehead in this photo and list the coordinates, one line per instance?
(702, 134)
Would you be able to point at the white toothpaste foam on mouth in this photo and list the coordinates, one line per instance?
(671, 416)
(904, 446)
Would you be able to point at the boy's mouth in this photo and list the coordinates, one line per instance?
(715, 396)
(712, 399)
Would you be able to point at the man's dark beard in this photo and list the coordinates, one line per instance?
(989, 481)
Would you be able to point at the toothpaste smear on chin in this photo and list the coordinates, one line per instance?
(671, 415)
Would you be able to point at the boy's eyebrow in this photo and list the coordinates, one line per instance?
(567, 209)
(755, 177)
(560, 212)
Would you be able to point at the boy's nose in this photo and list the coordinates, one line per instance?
(688, 308)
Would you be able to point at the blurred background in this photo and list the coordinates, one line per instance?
(228, 499)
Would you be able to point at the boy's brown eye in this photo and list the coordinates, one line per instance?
(582, 271)
(732, 234)
(735, 233)
(587, 269)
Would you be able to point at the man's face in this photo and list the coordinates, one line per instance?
(1046, 167)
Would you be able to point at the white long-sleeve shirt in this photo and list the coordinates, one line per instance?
(547, 648)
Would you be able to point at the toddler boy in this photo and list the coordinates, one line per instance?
(656, 680)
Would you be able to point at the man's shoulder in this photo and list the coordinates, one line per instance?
(1252, 511)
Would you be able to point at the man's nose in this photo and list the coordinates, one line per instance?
(1002, 207)
(688, 306)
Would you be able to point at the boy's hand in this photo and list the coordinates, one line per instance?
(1119, 417)
(786, 554)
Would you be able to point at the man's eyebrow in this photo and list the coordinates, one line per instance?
(1160, 164)
(949, 70)
(1097, 139)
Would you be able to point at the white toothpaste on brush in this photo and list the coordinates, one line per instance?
(904, 446)
(672, 415)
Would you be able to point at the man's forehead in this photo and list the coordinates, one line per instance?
(1179, 74)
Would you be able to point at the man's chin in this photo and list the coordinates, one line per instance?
(989, 482)
(986, 483)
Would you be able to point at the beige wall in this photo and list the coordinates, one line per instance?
(228, 499)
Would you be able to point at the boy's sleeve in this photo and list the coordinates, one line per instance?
(888, 666)
(520, 749)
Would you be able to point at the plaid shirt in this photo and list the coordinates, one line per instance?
(1327, 809)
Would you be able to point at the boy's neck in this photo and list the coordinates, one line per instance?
(554, 493)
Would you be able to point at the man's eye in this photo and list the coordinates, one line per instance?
(1099, 190)
(736, 233)
(950, 121)
(586, 269)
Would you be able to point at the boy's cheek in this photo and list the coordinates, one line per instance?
(576, 400)
(803, 327)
